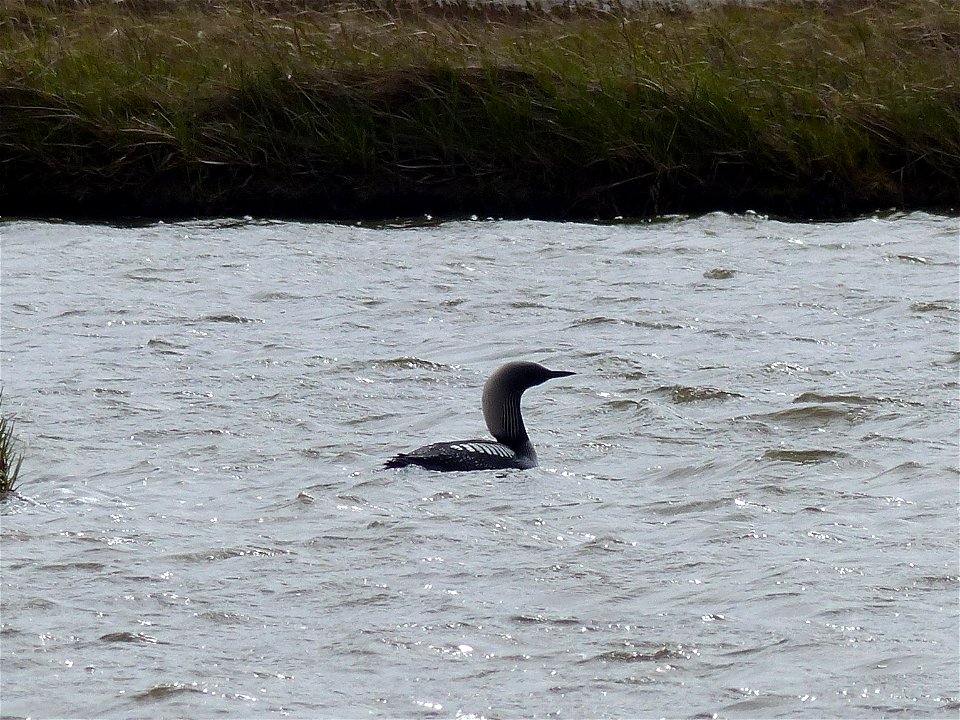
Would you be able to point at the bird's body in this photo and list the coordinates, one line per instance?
(501, 411)
(463, 455)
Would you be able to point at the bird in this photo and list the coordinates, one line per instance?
(501, 411)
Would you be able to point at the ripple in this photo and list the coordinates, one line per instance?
(544, 620)
(634, 656)
(227, 318)
(803, 457)
(811, 415)
(623, 405)
(685, 394)
(603, 320)
(409, 363)
(851, 399)
(130, 637)
(272, 296)
(719, 274)
(217, 554)
(166, 347)
(934, 306)
(167, 690)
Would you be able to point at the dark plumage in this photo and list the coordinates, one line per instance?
(501, 411)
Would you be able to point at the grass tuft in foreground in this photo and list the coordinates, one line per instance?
(11, 456)
(326, 109)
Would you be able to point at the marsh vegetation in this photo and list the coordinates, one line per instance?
(336, 110)
(11, 456)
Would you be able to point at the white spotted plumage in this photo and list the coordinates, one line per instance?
(485, 448)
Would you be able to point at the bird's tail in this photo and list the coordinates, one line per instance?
(397, 461)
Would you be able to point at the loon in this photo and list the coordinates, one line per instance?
(501, 412)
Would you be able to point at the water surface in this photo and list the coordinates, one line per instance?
(746, 505)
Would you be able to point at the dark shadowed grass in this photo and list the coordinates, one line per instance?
(11, 457)
(332, 110)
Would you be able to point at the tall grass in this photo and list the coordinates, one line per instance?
(11, 456)
(330, 109)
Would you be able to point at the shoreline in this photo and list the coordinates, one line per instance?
(346, 112)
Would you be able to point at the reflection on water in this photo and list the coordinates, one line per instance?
(746, 504)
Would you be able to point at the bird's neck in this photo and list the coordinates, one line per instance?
(501, 411)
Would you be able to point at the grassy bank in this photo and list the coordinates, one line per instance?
(304, 108)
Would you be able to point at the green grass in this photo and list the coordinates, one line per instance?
(11, 457)
(321, 109)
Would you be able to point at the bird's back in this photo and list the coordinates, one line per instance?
(465, 455)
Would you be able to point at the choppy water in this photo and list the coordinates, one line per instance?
(747, 504)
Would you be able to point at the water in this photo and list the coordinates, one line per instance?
(746, 505)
